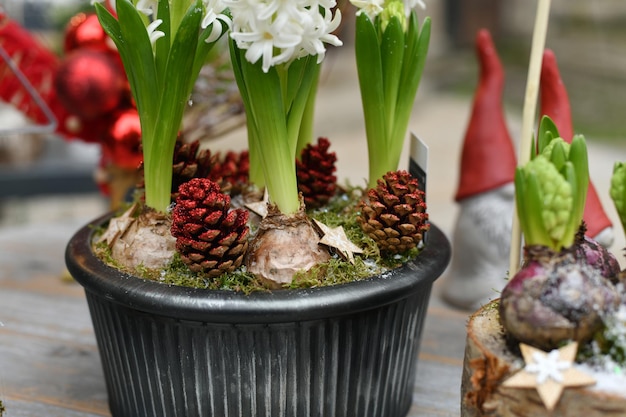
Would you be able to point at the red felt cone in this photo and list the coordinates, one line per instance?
(488, 158)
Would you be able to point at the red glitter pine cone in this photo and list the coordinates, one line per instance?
(395, 216)
(210, 238)
(231, 171)
(315, 171)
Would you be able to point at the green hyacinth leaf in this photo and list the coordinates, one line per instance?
(529, 203)
(580, 160)
(547, 132)
(618, 190)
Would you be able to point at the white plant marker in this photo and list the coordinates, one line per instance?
(528, 117)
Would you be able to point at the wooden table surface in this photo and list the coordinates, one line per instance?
(49, 363)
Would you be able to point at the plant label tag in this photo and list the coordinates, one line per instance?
(418, 162)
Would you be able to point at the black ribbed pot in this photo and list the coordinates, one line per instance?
(343, 351)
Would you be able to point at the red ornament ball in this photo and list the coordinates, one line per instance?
(85, 31)
(123, 144)
(90, 83)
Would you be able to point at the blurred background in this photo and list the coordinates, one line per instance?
(60, 175)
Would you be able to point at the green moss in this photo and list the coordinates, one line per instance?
(178, 273)
(335, 271)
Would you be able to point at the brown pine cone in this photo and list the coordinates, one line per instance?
(190, 163)
(315, 171)
(395, 216)
(210, 239)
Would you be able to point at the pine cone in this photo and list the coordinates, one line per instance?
(315, 171)
(395, 216)
(190, 163)
(231, 172)
(210, 239)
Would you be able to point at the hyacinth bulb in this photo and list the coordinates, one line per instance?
(283, 246)
(554, 298)
(599, 257)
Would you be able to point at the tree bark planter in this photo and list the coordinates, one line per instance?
(346, 350)
(489, 361)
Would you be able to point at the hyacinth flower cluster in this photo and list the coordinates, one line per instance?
(163, 45)
(552, 188)
(391, 51)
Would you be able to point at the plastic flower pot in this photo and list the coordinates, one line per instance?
(345, 350)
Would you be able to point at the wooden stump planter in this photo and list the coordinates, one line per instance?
(490, 359)
(338, 351)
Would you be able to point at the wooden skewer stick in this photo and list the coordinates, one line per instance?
(528, 117)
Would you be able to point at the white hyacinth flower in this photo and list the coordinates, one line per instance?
(410, 5)
(147, 7)
(280, 31)
(152, 32)
(215, 15)
(373, 8)
(320, 32)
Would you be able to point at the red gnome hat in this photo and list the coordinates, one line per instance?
(488, 158)
(555, 104)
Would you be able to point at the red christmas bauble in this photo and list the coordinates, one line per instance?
(90, 83)
(85, 31)
(123, 144)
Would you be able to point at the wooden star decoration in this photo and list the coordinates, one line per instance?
(259, 207)
(549, 372)
(336, 238)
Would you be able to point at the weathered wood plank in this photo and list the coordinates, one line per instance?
(53, 372)
(444, 335)
(19, 407)
(437, 391)
(63, 319)
(49, 364)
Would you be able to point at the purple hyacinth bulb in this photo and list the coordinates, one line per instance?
(553, 300)
(598, 257)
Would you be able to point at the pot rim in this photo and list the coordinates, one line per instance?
(224, 306)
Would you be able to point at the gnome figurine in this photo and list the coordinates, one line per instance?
(482, 233)
(555, 104)
(486, 193)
